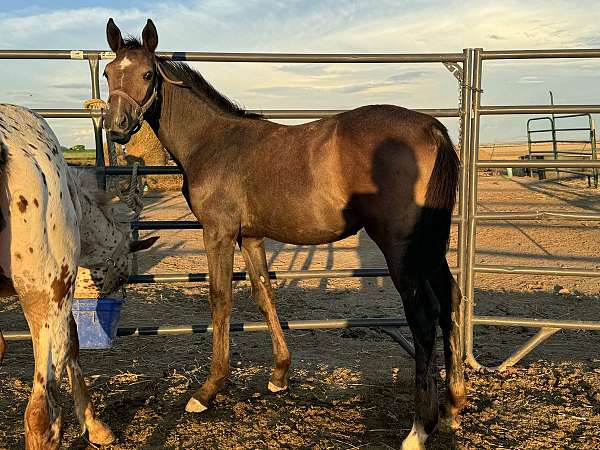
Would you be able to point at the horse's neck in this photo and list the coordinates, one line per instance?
(188, 122)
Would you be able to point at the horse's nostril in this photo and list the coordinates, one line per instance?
(123, 122)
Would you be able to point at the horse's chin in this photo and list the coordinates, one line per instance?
(119, 138)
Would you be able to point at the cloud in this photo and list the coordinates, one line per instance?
(590, 41)
(400, 82)
(71, 85)
(333, 83)
(285, 91)
(56, 25)
(305, 69)
(410, 76)
(530, 80)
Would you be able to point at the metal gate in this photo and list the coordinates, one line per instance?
(540, 136)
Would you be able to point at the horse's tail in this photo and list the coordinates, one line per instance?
(432, 232)
(444, 291)
(441, 190)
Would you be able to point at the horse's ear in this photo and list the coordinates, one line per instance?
(150, 36)
(113, 36)
(136, 246)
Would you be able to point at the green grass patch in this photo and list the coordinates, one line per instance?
(87, 154)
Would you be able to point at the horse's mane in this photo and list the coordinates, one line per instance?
(196, 82)
(88, 187)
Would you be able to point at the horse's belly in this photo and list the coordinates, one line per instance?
(310, 237)
(303, 226)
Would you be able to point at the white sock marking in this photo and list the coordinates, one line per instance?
(273, 388)
(415, 439)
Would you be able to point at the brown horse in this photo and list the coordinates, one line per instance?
(388, 169)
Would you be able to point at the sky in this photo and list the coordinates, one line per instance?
(311, 26)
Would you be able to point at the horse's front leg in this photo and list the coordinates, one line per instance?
(219, 250)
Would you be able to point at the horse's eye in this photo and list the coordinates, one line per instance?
(148, 76)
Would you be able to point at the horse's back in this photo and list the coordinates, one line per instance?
(38, 226)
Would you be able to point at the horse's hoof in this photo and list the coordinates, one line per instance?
(276, 389)
(448, 424)
(100, 434)
(449, 419)
(194, 406)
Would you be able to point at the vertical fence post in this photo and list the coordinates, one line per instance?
(593, 149)
(465, 132)
(554, 144)
(472, 210)
(93, 60)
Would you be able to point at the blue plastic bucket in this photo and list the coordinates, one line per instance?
(97, 320)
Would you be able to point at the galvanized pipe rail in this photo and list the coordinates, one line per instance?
(561, 163)
(537, 215)
(246, 57)
(539, 54)
(281, 275)
(546, 327)
(158, 330)
(389, 325)
(531, 270)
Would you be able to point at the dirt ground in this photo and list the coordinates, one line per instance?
(349, 389)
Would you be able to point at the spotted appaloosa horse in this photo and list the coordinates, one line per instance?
(53, 220)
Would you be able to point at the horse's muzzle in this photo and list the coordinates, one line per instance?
(118, 137)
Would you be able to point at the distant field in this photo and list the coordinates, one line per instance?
(79, 158)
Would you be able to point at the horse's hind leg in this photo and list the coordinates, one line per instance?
(43, 419)
(98, 431)
(421, 314)
(253, 251)
(449, 296)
